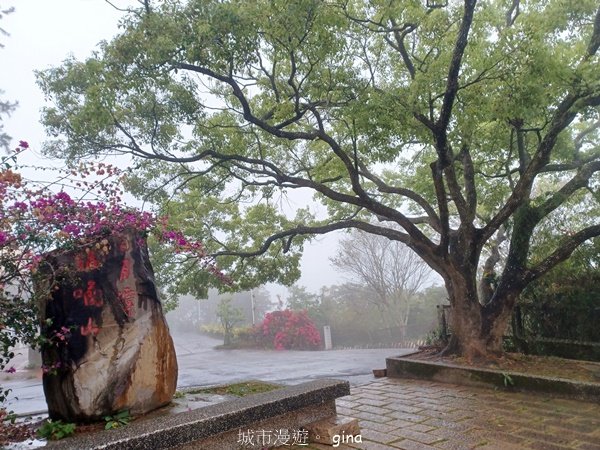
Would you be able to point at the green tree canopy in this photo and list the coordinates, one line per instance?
(466, 128)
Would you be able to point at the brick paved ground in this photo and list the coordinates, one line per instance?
(420, 415)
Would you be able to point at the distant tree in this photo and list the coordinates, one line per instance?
(424, 313)
(322, 308)
(229, 316)
(299, 298)
(391, 271)
(353, 320)
(186, 316)
(242, 300)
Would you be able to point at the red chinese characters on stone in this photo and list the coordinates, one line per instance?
(87, 261)
(127, 297)
(92, 296)
(125, 270)
(90, 328)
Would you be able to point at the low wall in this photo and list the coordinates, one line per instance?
(223, 425)
(436, 371)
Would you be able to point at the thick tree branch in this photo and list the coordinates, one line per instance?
(271, 170)
(526, 219)
(469, 180)
(366, 200)
(444, 164)
(595, 39)
(442, 200)
(579, 181)
(563, 116)
(488, 279)
(418, 199)
(524, 158)
(399, 35)
(429, 123)
(279, 132)
(574, 165)
(455, 64)
(455, 192)
(324, 229)
(247, 111)
(512, 13)
(563, 252)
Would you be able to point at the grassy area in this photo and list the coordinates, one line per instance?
(238, 389)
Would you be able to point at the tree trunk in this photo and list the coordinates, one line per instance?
(227, 336)
(465, 326)
(476, 331)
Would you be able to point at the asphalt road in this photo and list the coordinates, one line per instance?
(200, 364)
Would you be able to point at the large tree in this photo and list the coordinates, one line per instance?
(456, 130)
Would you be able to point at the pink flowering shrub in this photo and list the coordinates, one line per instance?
(290, 330)
(36, 219)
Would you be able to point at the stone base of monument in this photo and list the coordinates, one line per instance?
(333, 430)
(270, 419)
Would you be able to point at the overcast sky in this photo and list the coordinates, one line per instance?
(42, 34)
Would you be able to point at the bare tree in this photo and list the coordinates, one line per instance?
(391, 271)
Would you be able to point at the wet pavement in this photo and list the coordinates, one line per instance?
(200, 364)
(422, 415)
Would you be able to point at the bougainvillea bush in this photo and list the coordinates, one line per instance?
(36, 219)
(290, 330)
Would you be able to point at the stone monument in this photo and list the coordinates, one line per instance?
(109, 347)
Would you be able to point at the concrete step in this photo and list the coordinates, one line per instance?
(333, 430)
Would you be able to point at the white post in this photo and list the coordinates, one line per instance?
(327, 335)
(252, 305)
